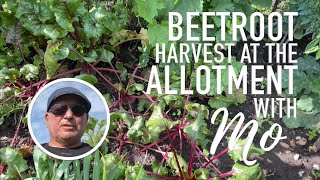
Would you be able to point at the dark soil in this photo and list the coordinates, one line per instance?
(7, 132)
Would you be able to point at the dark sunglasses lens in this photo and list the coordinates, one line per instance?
(78, 110)
(58, 109)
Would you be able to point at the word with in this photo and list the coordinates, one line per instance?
(263, 105)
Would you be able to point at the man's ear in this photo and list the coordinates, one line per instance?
(47, 119)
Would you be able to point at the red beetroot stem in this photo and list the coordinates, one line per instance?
(154, 103)
(167, 150)
(137, 144)
(18, 128)
(23, 96)
(180, 136)
(120, 147)
(130, 107)
(114, 104)
(137, 97)
(20, 84)
(216, 157)
(6, 100)
(30, 82)
(137, 114)
(154, 174)
(135, 70)
(183, 119)
(227, 174)
(200, 151)
(179, 167)
(191, 160)
(120, 143)
(117, 71)
(54, 77)
(199, 158)
(103, 77)
(150, 99)
(185, 107)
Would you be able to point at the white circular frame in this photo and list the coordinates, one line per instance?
(68, 80)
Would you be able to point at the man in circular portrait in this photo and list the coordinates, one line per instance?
(66, 119)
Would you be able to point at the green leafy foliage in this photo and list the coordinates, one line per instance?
(262, 3)
(53, 53)
(316, 173)
(307, 22)
(67, 12)
(312, 134)
(237, 97)
(158, 33)
(88, 78)
(243, 172)
(105, 55)
(123, 116)
(94, 131)
(313, 46)
(49, 168)
(195, 109)
(134, 88)
(114, 166)
(138, 130)
(137, 172)
(306, 84)
(8, 95)
(236, 152)
(201, 173)
(172, 100)
(30, 71)
(158, 123)
(9, 74)
(14, 162)
(149, 9)
(156, 168)
(183, 7)
(172, 162)
(198, 130)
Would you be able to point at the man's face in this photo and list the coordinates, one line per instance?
(68, 127)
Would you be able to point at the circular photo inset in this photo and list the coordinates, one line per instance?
(68, 119)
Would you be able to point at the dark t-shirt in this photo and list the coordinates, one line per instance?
(68, 152)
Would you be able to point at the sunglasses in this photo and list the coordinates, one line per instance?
(60, 109)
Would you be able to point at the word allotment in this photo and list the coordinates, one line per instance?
(215, 59)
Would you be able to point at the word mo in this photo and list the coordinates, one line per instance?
(236, 134)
